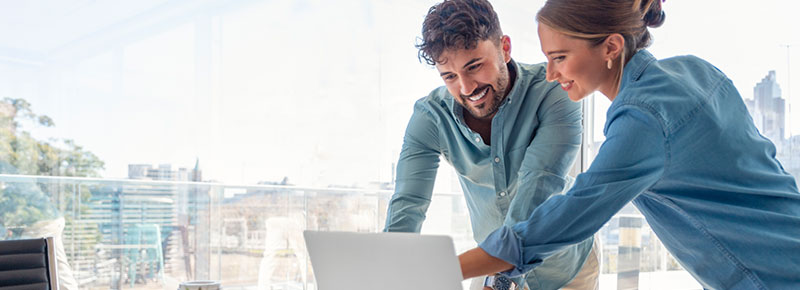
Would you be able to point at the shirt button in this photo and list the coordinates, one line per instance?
(497, 159)
(502, 193)
(477, 139)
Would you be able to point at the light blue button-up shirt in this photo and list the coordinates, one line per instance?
(681, 145)
(536, 134)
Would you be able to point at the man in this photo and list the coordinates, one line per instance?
(511, 136)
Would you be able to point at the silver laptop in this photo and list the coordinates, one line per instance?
(391, 261)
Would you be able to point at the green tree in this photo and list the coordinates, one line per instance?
(22, 204)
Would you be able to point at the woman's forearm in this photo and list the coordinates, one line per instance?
(477, 262)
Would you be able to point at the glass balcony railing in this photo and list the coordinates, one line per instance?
(143, 234)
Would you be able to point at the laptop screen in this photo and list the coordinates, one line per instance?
(347, 260)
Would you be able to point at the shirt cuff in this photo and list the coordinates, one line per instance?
(505, 245)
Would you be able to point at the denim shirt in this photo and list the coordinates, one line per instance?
(681, 145)
(535, 136)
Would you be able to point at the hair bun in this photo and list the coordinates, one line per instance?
(655, 15)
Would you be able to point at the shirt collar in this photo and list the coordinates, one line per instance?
(632, 72)
(635, 67)
(517, 80)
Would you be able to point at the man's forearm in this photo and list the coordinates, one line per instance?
(406, 213)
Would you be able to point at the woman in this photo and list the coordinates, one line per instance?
(679, 143)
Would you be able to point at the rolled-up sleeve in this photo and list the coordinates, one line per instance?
(630, 161)
(416, 173)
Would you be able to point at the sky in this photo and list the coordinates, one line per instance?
(316, 91)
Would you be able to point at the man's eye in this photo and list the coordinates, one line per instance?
(558, 58)
(449, 77)
(474, 67)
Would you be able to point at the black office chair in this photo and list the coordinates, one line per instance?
(28, 264)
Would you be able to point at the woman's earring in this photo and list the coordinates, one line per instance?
(609, 63)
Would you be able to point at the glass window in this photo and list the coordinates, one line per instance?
(164, 141)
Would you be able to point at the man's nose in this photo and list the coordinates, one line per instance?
(468, 85)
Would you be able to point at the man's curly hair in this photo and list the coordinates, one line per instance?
(457, 24)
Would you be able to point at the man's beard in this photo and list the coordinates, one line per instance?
(498, 94)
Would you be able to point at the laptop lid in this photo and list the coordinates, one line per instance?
(391, 261)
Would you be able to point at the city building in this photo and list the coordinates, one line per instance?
(768, 109)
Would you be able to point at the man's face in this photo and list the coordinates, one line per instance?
(477, 78)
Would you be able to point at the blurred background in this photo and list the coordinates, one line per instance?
(169, 140)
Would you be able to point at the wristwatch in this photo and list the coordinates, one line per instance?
(498, 282)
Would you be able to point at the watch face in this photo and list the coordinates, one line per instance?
(501, 283)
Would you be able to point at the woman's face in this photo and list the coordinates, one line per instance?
(578, 66)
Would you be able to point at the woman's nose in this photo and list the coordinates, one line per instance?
(550, 74)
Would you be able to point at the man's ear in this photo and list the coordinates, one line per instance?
(614, 46)
(505, 45)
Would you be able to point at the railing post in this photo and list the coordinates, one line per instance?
(630, 244)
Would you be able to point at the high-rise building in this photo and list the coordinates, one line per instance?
(768, 109)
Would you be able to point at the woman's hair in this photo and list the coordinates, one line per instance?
(457, 24)
(595, 20)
